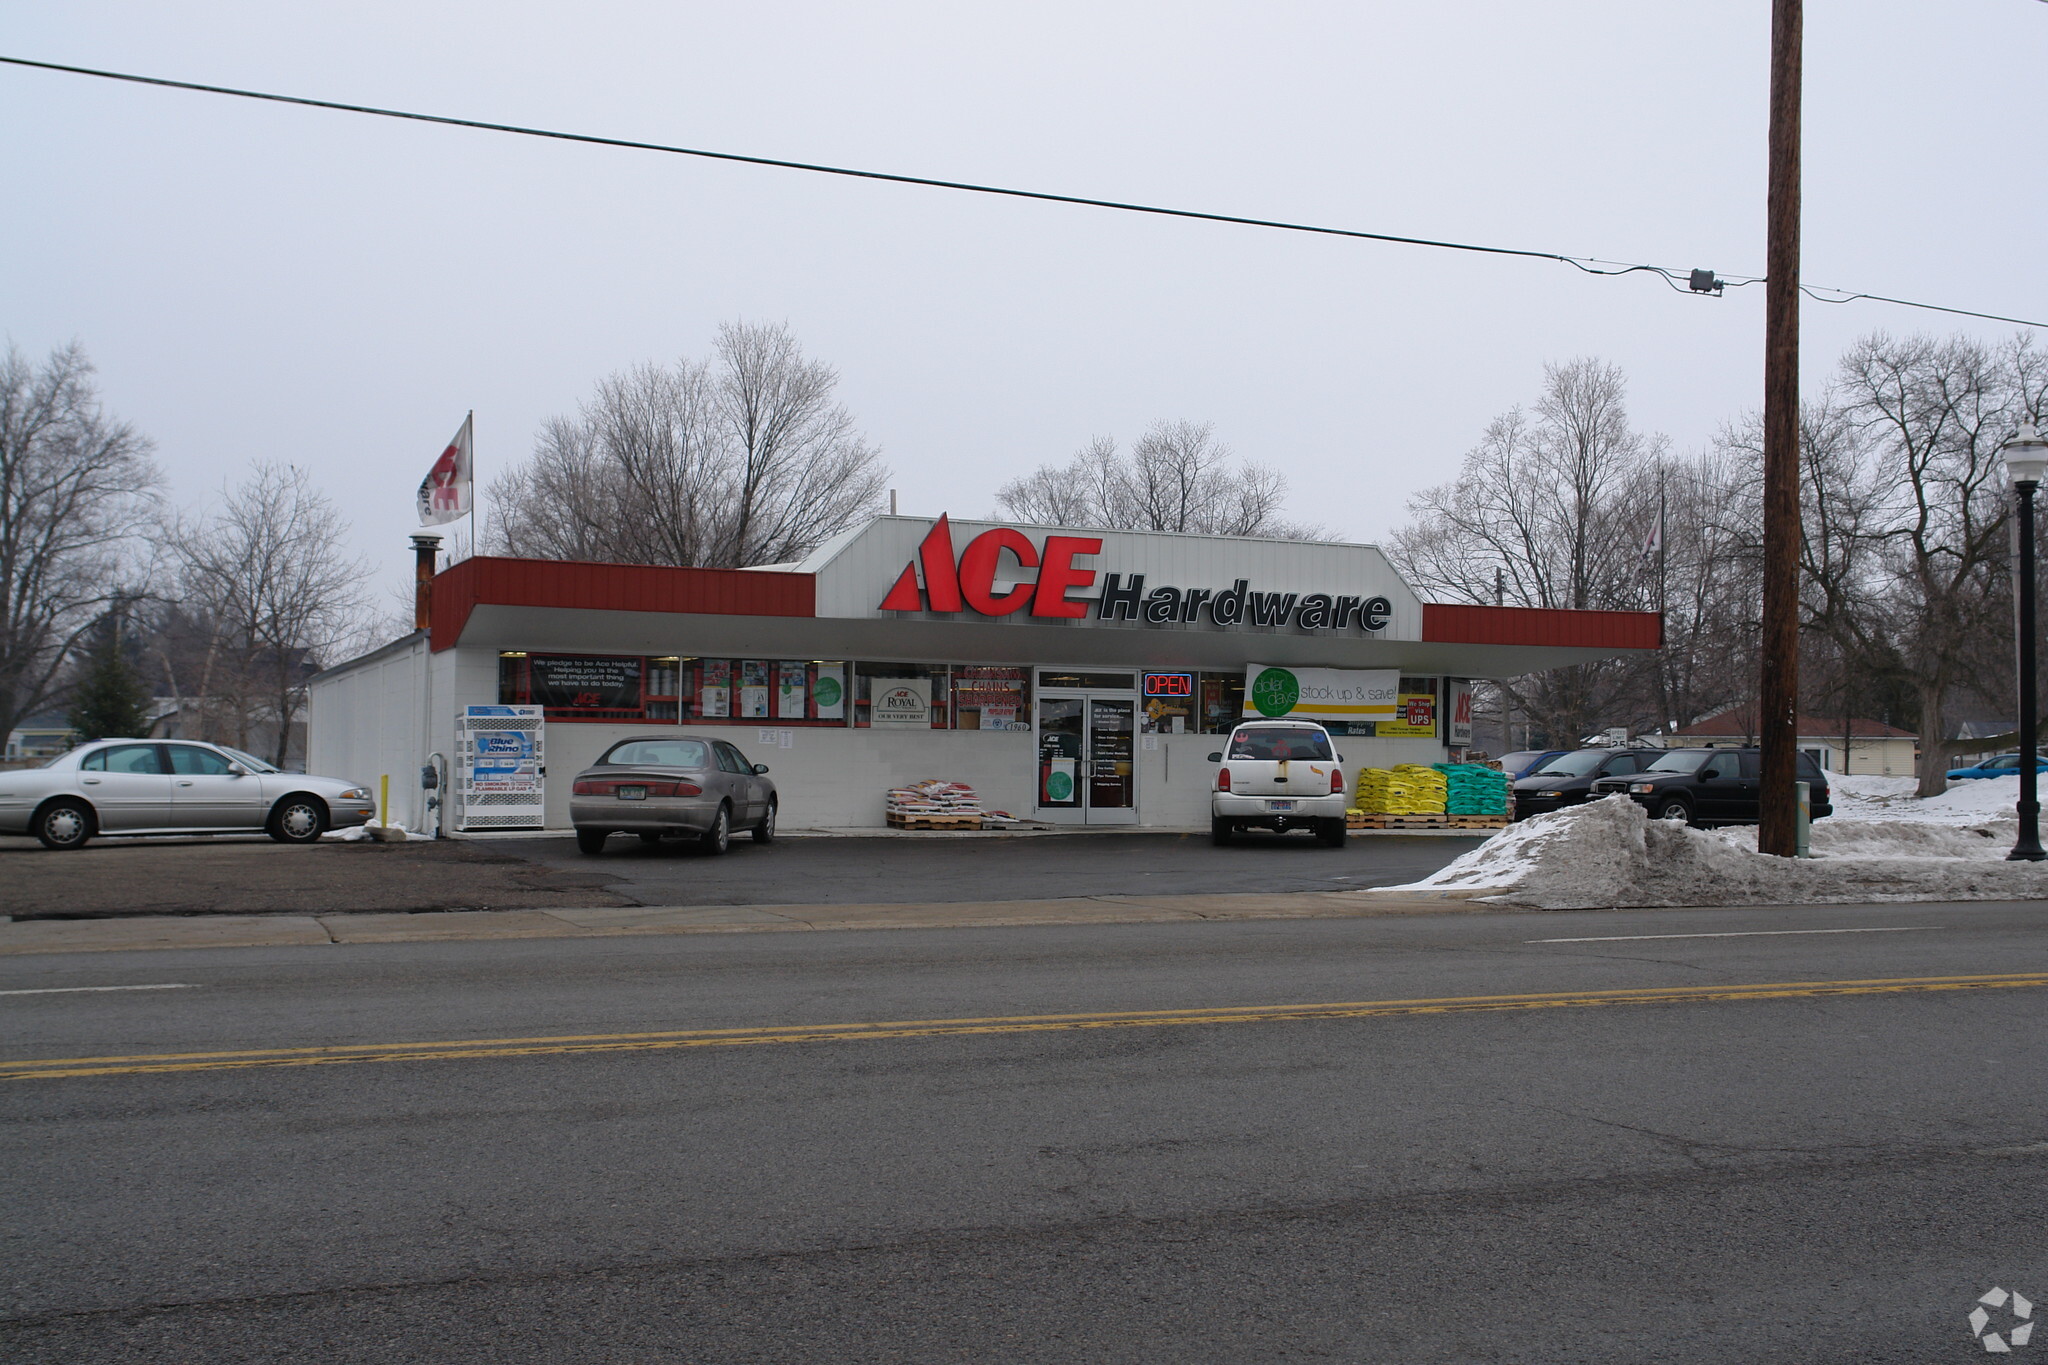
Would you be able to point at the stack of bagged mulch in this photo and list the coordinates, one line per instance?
(1474, 789)
(1405, 789)
(935, 798)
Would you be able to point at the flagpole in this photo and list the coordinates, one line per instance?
(469, 424)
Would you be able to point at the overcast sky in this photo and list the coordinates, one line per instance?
(262, 282)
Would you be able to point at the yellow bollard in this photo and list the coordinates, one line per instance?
(384, 799)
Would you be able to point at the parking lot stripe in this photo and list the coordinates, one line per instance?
(1739, 933)
(74, 990)
(479, 1048)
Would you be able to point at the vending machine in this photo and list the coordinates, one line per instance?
(501, 767)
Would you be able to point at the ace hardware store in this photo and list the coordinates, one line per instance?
(1069, 676)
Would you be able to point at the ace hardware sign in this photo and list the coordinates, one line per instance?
(941, 580)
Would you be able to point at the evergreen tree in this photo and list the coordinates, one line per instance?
(110, 700)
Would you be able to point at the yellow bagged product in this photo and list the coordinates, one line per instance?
(1400, 791)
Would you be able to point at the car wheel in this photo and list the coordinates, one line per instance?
(1672, 809)
(718, 838)
(764, 833)
(65, 824)
(1332, 833)
(1219, 831)
(592, 840)
(298, 820)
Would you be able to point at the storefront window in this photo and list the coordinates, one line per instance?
(1222, 702)
(1104, 682)
(672, 689)
(899, 696)
(1171, 701)
(991, 697)
(754, 691)
(575, 686)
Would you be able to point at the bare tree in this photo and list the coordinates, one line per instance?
(1178, 477)
(265, 573)
(76, 487)
(742, 460)
(1550, 509)
(1933, 414)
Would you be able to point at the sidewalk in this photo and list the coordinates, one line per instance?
(265, 931)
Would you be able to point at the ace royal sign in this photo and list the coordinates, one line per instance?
(966, 581)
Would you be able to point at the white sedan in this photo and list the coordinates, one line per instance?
(149, 786)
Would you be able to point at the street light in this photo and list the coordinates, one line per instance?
(2026, 460)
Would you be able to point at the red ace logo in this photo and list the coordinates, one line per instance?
(969, 582)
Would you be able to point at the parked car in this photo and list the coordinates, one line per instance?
(1710, 786)
(2005, 765)
(148, 786)
(1567, 780)
(673, 787)
(1522, 762)
(1280, 775)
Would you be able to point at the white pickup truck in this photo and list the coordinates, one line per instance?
(1280, 775)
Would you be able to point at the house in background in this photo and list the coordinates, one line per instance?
(39, 737)
(1857, 747)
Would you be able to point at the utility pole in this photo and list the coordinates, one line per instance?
(1779, 693)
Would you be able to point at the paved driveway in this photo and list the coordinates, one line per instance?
(853, 871)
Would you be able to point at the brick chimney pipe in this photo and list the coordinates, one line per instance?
(424, 548)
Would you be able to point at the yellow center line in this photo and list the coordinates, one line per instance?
(474, 1048)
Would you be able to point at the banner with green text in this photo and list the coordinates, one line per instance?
(1321, 693)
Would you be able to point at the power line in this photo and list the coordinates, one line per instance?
(1694, 281)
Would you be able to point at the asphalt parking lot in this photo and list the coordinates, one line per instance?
(113, 877)
(856, 871)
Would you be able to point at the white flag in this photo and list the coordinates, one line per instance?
(445, 492)
(1655, 540)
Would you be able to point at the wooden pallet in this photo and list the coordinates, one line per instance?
(901, 821)
(1426, 821)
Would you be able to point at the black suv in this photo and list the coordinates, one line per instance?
(1710, 786)
(1567, 779)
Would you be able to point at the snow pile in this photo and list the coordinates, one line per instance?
(394, 834)
(1891, 798)
(1610, 853)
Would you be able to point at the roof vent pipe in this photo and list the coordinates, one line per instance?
(424, 548)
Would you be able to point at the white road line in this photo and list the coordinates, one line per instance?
(73, 990)
(1742, 933)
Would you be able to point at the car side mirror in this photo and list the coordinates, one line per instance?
(1216, 757)
(760, 769)
(236, 770)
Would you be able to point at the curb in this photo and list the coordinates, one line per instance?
(144, 933)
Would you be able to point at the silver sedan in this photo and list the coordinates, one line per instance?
(149, 786)
(671, 787)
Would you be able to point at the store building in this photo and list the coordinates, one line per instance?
(1070, 676)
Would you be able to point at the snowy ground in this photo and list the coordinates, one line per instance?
(1881, 844)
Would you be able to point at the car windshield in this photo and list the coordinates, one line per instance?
(661, 753)
(1575, 764)
(1683, 761)
(1280, 744)
(249, 761)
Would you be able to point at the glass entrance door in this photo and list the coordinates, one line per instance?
(1087, 759)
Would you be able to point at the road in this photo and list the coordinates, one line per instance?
(1290, 1159)
(847, 871)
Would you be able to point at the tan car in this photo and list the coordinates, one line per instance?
(672, 788)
